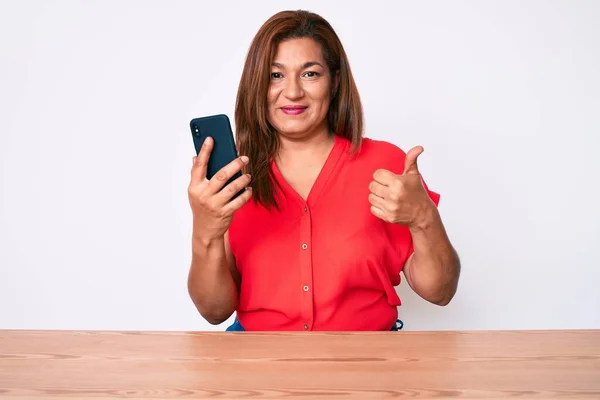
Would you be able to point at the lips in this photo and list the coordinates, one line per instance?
(293, 110)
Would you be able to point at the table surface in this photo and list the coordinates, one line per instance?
(305, 365)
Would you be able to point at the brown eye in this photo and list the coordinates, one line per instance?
(275, 75)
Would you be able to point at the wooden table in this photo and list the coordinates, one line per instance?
(166, 365)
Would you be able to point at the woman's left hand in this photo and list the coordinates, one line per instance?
(400, 199)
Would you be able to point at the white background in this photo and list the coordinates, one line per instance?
(95, 150)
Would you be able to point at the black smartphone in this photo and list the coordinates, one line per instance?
(224, 150)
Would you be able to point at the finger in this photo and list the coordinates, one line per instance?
(225, 173)
(378, 212)
(377, 202)
(201, 161)
(384, 177)
(225, 195)
(410, 162)
(378, 189)
(238, 202)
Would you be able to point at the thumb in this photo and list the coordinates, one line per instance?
(410, 162)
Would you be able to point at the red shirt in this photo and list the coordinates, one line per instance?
(326, 263)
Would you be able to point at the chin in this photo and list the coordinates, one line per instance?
(293, 128)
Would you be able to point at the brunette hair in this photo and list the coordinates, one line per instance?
(255, 136)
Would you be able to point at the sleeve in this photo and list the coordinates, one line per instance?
(432, 195)
(395, 158)
(435, 197)
(400, 234)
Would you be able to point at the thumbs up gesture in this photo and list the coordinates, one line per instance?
(400, 199)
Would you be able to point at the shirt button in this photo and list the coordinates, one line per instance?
(305, 288)
(306, 327)
(304, 246)
(305, 209)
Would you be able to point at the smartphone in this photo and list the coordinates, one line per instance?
(224, 150)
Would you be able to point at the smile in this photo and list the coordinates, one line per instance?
(293, 110)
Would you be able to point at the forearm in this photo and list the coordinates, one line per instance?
(434, 268)
(210, 284)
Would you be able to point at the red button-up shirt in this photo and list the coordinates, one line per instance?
(326, 263)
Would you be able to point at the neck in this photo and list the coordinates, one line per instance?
(314, 146)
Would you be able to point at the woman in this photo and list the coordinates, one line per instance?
(329, 218)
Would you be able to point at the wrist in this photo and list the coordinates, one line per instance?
(425, 219)
(203, 242)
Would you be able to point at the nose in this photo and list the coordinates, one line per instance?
(293, 89)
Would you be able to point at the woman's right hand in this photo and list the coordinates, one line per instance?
(212, 208)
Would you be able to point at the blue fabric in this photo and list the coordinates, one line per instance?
(237, 327)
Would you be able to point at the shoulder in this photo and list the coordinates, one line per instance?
(382, 154)
(381, 147)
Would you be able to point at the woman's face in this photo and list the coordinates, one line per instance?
(300, 89)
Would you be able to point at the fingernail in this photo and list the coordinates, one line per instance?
(207, 140)
(248, 188)
(244, 159)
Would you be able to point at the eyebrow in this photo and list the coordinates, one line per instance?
(305, 65)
